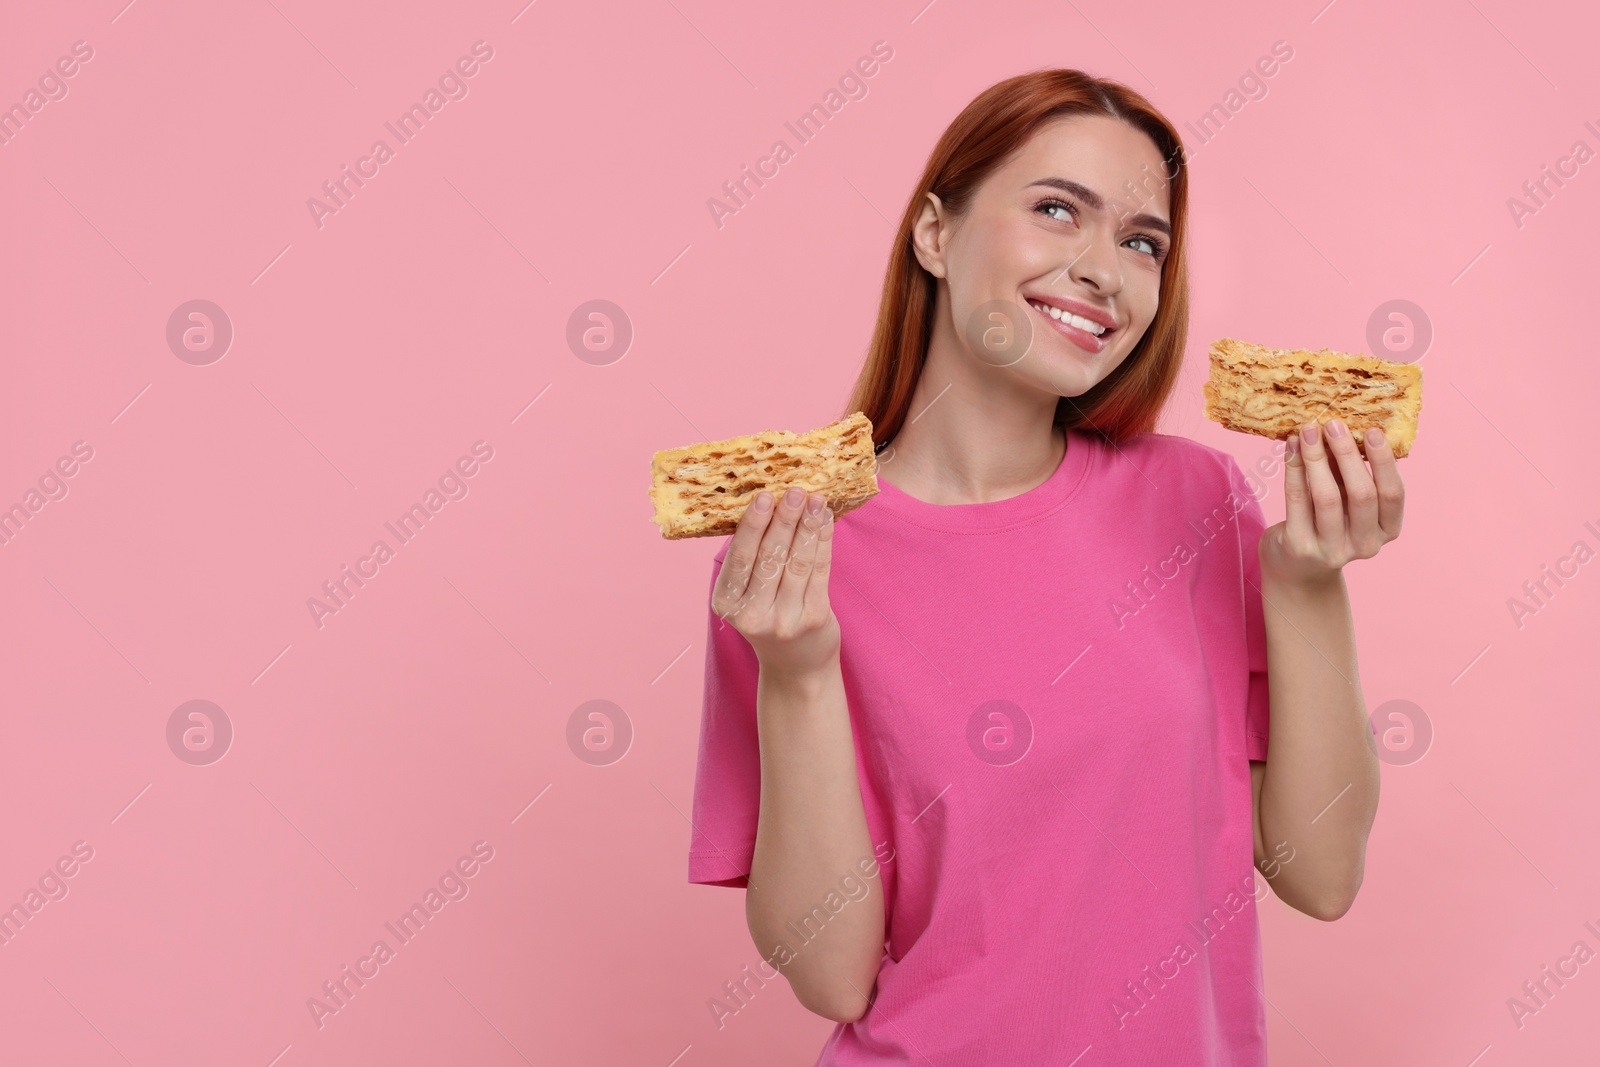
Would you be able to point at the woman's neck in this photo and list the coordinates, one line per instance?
(971, 436)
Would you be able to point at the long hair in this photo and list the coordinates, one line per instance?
(994, 125)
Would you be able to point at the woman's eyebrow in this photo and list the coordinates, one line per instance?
(1096, 202)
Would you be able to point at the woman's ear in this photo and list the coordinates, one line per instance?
(929, 235)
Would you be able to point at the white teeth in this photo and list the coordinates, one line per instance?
(1079, 321)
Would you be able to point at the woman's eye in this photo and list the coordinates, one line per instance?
(1068, 212)
(1056, 205)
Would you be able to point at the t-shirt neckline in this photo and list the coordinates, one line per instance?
(990, 515)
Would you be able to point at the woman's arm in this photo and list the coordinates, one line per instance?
(1317, 792)
(1318, 789)
(811, 834)
(812, 844)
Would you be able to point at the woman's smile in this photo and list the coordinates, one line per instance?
(1079, 329)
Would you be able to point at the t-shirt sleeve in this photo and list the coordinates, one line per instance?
(1251, 524)
(727, 783)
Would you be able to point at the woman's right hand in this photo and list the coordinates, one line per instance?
(773, 586)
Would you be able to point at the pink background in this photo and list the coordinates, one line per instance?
(427, 714)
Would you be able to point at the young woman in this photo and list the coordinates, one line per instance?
(1027, 688)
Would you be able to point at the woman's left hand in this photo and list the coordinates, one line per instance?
(1336, 510)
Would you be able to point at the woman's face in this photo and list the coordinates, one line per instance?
(1076, 220)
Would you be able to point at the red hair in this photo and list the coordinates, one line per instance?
(986, 133)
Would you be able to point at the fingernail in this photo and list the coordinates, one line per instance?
(814, 504)
(1374, 436)
(1292, 445)
(1309, 433)
(1336, 428)
(763, 501)
(793, 497)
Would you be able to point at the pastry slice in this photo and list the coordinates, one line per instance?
(1273, 391)
(702, 490)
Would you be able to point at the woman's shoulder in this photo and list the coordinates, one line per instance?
(1193, 461)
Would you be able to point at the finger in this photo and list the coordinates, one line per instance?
(773, 556)
(734, 577)
(797, 575)
(1360, 494)
(816, 603)
(1386, 476)
(1338, 479)
(1327, 504)
(1299, 526)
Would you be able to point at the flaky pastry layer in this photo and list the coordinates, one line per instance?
(702, 490)
(1273, 391)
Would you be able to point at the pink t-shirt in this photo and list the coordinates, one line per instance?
(1055, 698)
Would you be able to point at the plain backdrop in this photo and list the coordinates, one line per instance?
(372, 347)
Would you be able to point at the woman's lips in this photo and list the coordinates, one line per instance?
(1082, 338)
